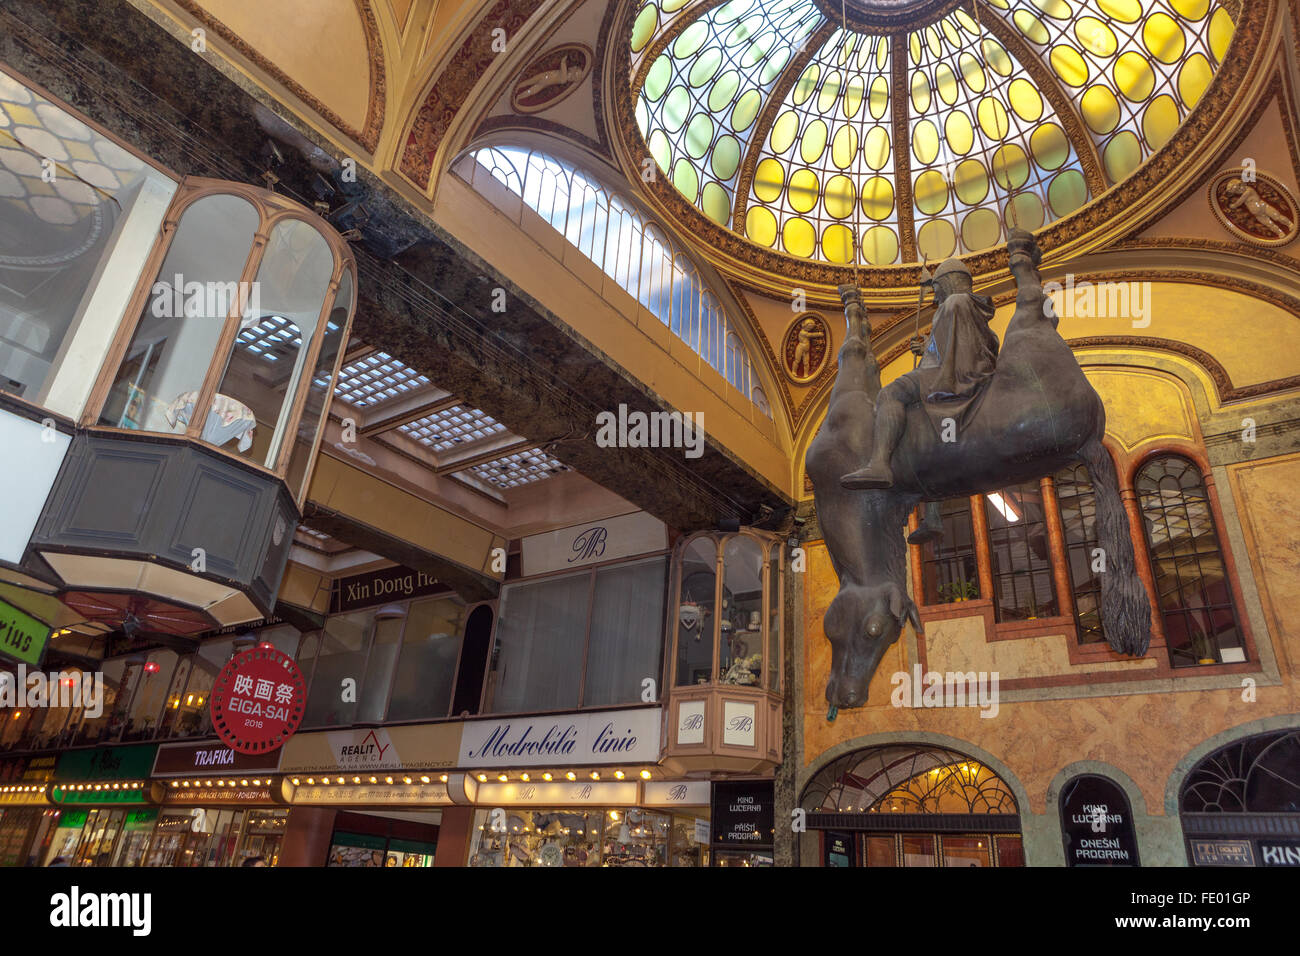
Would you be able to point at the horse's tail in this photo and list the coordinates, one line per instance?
(1125, 609)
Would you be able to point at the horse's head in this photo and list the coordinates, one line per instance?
(861, 623)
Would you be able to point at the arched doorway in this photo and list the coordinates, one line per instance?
(909, 805)
(1240, 805)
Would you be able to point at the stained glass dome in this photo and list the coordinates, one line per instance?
(923, 125)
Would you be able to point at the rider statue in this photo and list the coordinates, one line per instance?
(959, 358)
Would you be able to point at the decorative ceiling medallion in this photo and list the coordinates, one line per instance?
(1255, 207)
(805, 347)
(887, 14)
(551, 77)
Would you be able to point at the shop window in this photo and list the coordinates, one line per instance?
(150, 695)
(77, 221)
(426, 663)
(1192, 587)
(737, 631)
(949, 570)
(1023, 588)
(580, 640)
(1078, 508)
(341, 656)
(252, 331)
(473, 662)
(587, 837)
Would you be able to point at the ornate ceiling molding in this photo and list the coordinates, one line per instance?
(449, 89)
(368, 135)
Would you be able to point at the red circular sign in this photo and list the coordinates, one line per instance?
(257, 700)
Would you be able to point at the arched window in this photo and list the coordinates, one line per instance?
(632, 251)
(1192, 587)
(1078, 507)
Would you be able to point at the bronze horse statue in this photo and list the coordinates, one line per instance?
(1037, 414)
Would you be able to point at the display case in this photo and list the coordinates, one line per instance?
(724, 700)
(585, 836)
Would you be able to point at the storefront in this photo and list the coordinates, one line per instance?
(901, 805)
(105, 805)
(219, 807)
(25, 812)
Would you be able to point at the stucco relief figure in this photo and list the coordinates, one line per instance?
(808, 331)
(1019, 413)
(544, 81)
(1271, 218)
(550, 78)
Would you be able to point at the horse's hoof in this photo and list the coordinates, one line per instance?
(866, 480)
(831, 713)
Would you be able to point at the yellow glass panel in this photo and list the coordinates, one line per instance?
(699, 135)
(661, 149)
(1025, 100)
(686, 179)
(946, 83)
(937, 239)
(1067, 192)
(950, 34)
(1160, 121)
(807, 82)
(830, 91)
(783, 132)
(1194, 79)
(715, 203)
(1096, 37)
(1164, 38)
(992, 116)
(799, 237)
(723, 90)
(731, 11)
(879, 101)
(837, 243)
(933, 42)
(839, 197)
(1126, 11)
(1010, 166)
(931, 192)
(742, 116)
(672, 6)
(970, 182)
(1134, 77)
(925, 142)
(875, 149)
(882, 52)
(760, 225)
(1025, 211)
(846, 50)
(972, 73)
(877, 198)
(967, 24)
(726, 157)
(961, 137)
(1100, 109)
(1191, 9)
(705, 67)
(880, 246)
(1050, 146)
(769, 180)
(914, 48)
(853, 96)
(1220, 33)
(1031, 27)
(677, 107)
(920, 92)
(980, 230)
(1122, 155)
(844, 146)
(644, 27)
(1057, 9)
(997, 57)
(1069, 65)
(804, 190)
(813, 142)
